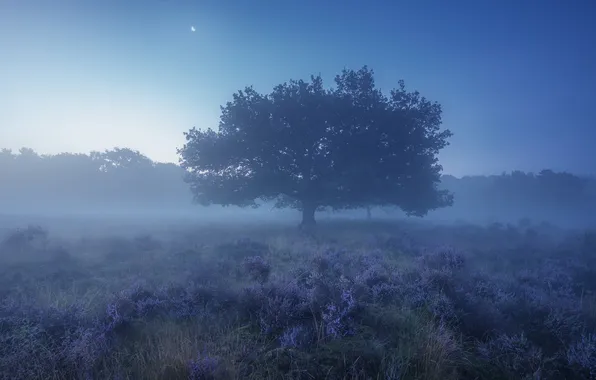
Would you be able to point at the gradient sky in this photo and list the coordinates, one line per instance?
(516, 79)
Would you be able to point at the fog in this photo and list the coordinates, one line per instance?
(124, 184)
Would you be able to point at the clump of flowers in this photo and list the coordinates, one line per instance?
(257, 268)
(581, 356)
(37, 340)
(337, 316)
(329, 262)
(295, 337)
(282, 306)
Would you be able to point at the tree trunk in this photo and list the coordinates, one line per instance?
(308, 215)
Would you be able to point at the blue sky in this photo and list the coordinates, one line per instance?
(516, 79)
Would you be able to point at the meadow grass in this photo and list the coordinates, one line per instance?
(353, 300)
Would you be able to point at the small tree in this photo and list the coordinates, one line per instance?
(308, 147)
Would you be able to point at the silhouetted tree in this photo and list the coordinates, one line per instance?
(309, 147)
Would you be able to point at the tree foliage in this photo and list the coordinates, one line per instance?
(308, 147)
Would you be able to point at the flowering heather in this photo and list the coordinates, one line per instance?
(36, 340)
(330, 261)
(278, 306)
(581, 356)
(513, 356)
(295, 337)
(373, 273)
(257, 268)
(456, 303)
(337, 316)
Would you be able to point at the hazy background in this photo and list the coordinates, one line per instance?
(516, 81)
(125, 184)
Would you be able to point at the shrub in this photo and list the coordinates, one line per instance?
(257, 268)
(512, 357)
(581, 357)
(299, 336)
(337, 317)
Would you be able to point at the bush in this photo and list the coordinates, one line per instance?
(512, 357)
(581, 357)
(257, 268)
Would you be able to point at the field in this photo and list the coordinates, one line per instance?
(353, 300)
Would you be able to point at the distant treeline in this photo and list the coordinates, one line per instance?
(126, 180)
(118, 179)
(558, 197)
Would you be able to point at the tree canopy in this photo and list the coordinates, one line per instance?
(310, 147)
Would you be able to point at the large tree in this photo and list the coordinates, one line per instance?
(309, 147)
